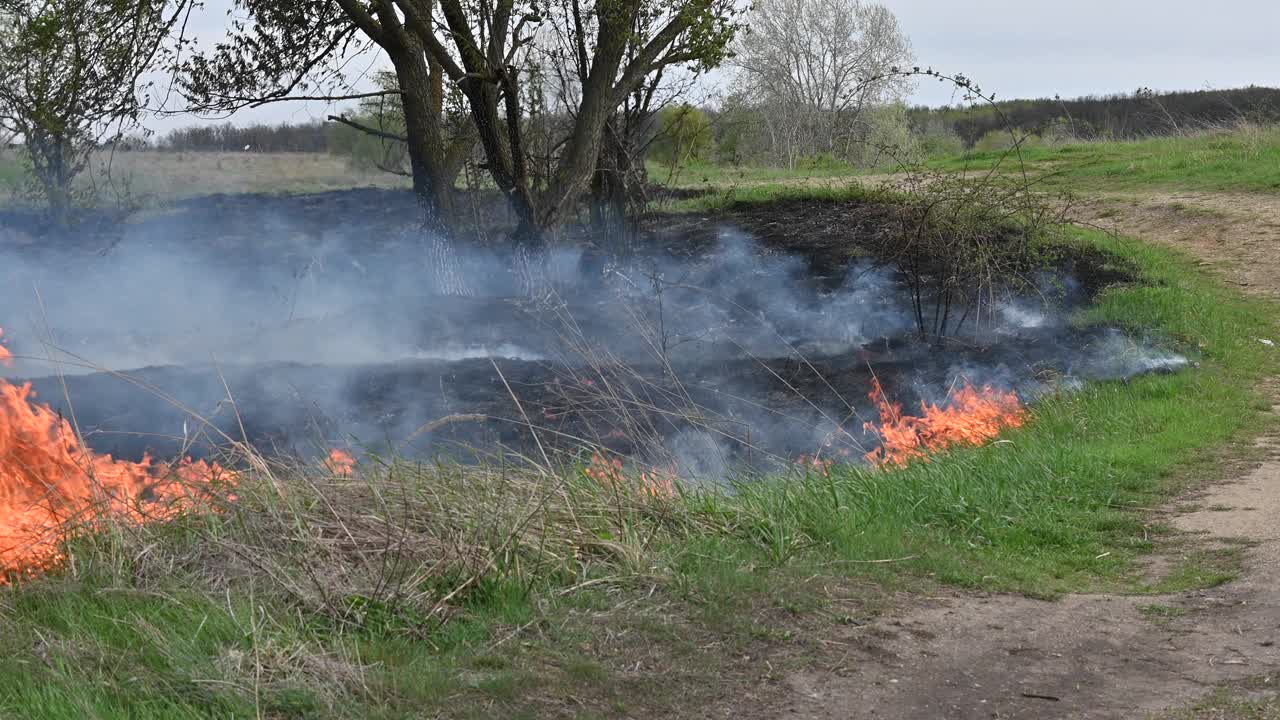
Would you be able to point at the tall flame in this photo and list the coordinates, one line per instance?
(971, 417)
(51, 484)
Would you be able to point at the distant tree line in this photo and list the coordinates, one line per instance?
(314, 137)
(1111, 117)
(739, 132)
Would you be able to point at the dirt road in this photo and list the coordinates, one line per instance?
(1100, 656)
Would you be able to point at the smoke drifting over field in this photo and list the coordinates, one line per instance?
(703, 352)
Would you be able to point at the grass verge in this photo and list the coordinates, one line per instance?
(411, 590)
(1257, 698)
(1246, 158)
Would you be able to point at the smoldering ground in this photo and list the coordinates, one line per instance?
(302, 324)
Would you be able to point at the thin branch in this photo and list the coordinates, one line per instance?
(367, 129)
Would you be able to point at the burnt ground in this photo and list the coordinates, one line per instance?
(579, 366)
(300, 410)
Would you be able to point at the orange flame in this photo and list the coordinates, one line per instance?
(971, 417)
(340, 462)
(654, 483)
(815, 464)
(50, 485)
(6, 357)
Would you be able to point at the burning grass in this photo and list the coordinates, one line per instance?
(53, 487)
(381, 587)
(970, 417)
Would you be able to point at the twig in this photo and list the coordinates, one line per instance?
(523, 414)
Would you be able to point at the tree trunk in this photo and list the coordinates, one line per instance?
(50, 163)
(615, 187)
(432, 177)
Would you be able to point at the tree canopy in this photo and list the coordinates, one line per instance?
(492, 51)
(71, 75)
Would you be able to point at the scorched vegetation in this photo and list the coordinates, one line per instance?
(540, 437)
(380, 586)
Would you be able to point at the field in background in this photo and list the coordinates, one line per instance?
(1245, 158)
(128, 179)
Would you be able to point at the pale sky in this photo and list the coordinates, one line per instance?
(1016, 48)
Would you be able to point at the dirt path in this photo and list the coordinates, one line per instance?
(1096, 656)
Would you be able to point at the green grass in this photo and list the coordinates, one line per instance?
(1244, 159)
(700, 175)
(1160, 613)
(1257, 698)
(737, 196)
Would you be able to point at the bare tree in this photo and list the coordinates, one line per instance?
(71, 78)
(813, 66)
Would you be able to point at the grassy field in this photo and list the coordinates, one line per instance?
(419, 590)
(1243, 159)
(1246, 158)
(148, 178)
(725, 176)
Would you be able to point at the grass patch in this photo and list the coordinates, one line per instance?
(1160, 613)
(707, 176)
(150, 179)
(721, 199)
(1254, 699)
(1244, 159)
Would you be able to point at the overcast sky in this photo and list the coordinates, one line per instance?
(1020, 48)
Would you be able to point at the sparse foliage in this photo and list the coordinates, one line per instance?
(72, 77)
(684, 135)
(617, 44)
(486, 49)
(284, 50)
(811, 67)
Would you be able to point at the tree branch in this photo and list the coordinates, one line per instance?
(366, 129)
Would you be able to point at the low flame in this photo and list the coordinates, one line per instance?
(971, 417)
(654, 482)
(815, 464)
(340, 462)
(50, 484)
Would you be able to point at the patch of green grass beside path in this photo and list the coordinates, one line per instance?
(1241, 159)
(1245, 159)
(1053, 507)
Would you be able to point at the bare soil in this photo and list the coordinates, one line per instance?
(961, 655)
